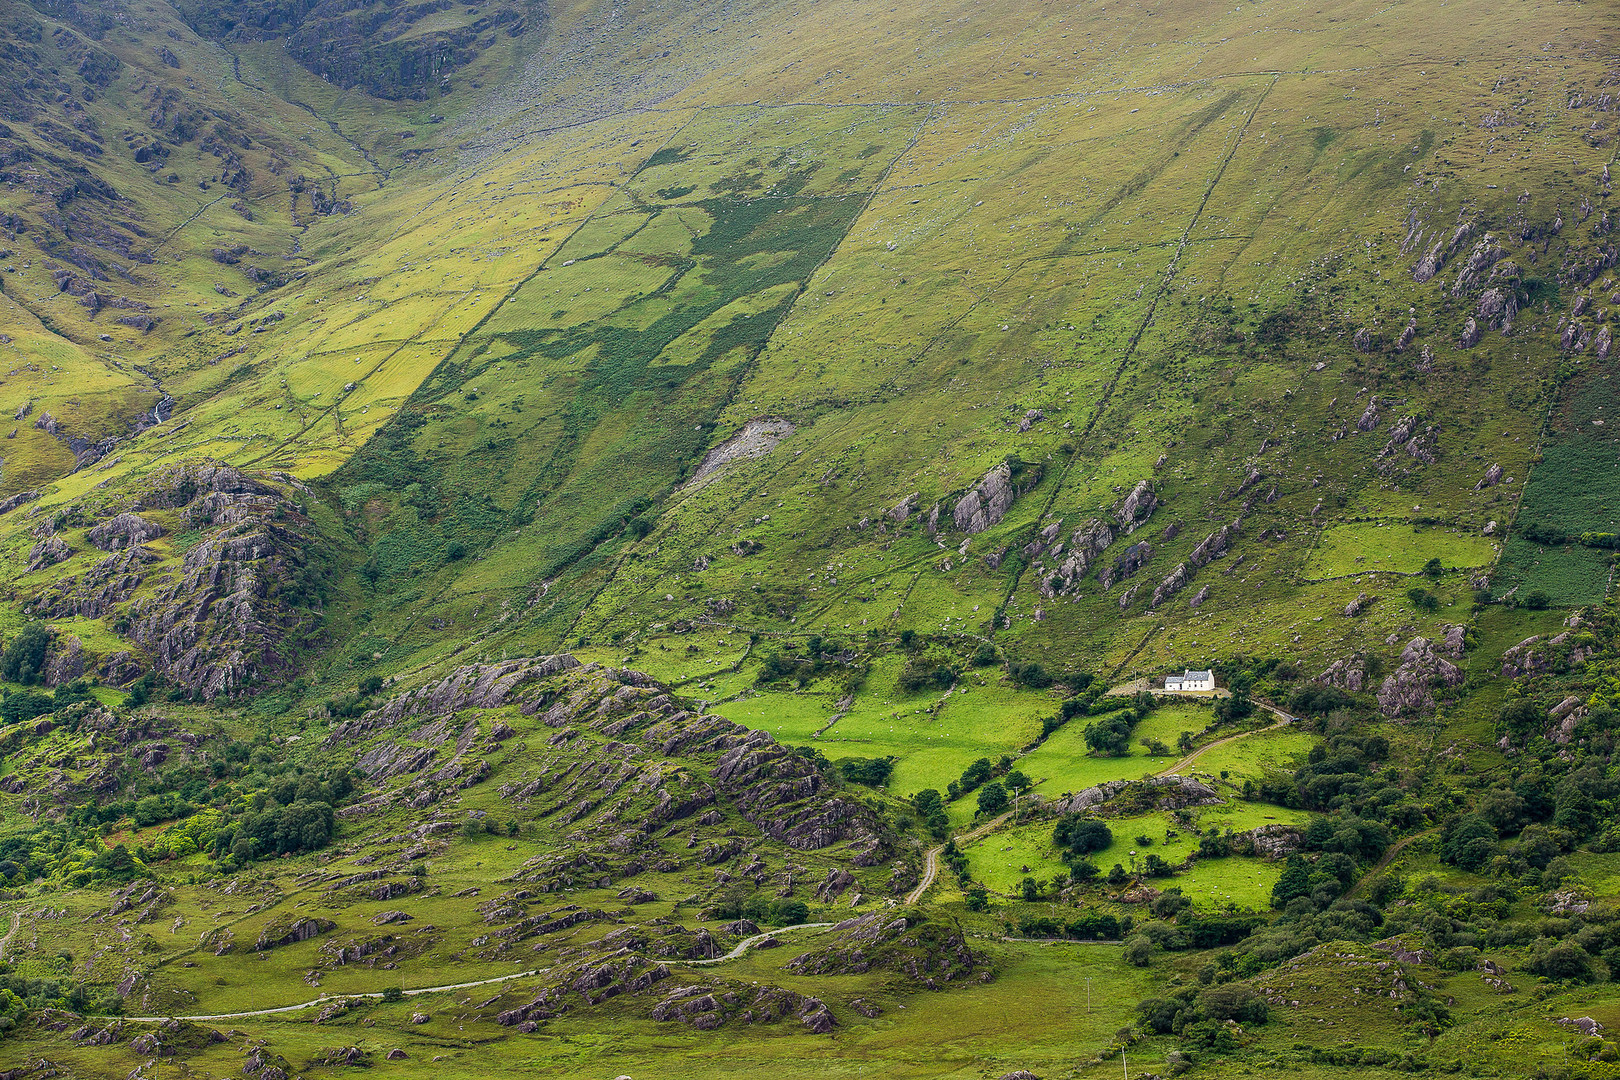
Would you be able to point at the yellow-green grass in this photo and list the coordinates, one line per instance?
(790, 716)
(1396, 547)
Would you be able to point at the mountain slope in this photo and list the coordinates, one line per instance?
(688, 461)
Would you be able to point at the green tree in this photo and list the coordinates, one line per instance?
(992, 798)
(24, 658)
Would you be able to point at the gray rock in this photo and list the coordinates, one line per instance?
(1409, 690)
(1136, 507)
(987, 502)
(123, 531)
(1369, 418)
(48, 552)
(1174, 583)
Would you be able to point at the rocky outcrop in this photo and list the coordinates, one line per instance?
(228, 620)
(1425, 666)
(1216, 544)
(932, 952)
(1497, 308)
(1168, 792)
(1126, 565)
(633, 776)
(1361, 603)
(707, 1007)
(64, 661)
(48, 552)
(278, 934)
(1405, 437)
(1134, 510)
(123, 531)
(475, 686)
(1174, 583)
(1539, 655)
(99, 590)
(987, 502)
(1085, 545)
(1492, 477)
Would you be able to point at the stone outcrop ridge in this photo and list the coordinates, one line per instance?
(123, 531)
(931, 952)
(1425, 665)
(1085, 544)
(226, 624)
(1539, 654)
(1175, 793)
(987, 502)
(1136, 507)
(1126, 565)
(721, 763)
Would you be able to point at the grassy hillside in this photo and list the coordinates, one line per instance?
(510, 502)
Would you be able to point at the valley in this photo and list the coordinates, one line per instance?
(620, 540)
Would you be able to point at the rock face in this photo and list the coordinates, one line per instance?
(397, 51)
(1173, 584)
(1126, 565)
(277, 934)
(987, 502)
(228, 616)
(123, 531)
(227, 623)
(1216, 544)
(1424, 666)
(1539, 655)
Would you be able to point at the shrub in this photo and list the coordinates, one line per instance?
(1081, 835)
(1030, 674)
(873, 772)
(1423, 600)
(1560, 961)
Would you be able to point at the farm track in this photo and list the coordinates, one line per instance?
(749, 942)
(325, 999)
(931, 859)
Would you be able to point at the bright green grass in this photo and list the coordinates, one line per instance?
(1395, 547)
(1253, 756)
(790, 717)
(1062, 763)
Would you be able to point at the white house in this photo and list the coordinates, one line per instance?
(1190, 680)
